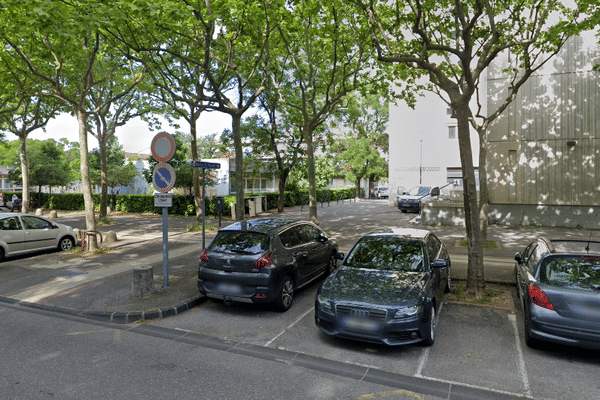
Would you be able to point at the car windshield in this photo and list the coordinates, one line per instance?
(571, 271)
(419, 191)
(240, 242)
(387, 253)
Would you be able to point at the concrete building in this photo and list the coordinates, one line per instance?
(543, 151)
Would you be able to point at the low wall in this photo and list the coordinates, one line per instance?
(452, 214)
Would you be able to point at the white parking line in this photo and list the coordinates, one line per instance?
(520, 360)
(425, 353)
(289, 326)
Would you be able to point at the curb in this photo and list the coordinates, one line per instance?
(117, 317)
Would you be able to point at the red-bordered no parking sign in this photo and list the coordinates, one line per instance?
(163, 147)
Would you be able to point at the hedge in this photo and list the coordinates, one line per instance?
(182, 205)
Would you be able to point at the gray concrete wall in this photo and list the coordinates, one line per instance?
(452, 214)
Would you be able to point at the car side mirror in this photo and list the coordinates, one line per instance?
(519, 257)
(439, 263)
(435, 192)
(321, 237)
(339, 255)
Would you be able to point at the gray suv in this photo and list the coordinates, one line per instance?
(265, 260)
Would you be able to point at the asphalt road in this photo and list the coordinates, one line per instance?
(479, 352)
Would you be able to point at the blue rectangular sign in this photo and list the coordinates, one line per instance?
(204, 164)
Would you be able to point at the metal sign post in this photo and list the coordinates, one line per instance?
(204, 165)
(163, 177)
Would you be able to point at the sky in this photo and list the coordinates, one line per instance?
(135, 137)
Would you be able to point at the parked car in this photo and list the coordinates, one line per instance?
(382, 192)
(265, 260)
(558, 282)
(24, 233)
(387, 289)
(411, 201)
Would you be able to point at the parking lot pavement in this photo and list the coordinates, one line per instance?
(479, 352)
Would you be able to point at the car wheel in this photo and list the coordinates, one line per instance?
(285, 295)
(403, 210)
(66, 243)
(430, 334)
(448, 283)
(529, 341)
(1, 254)
(331, 265)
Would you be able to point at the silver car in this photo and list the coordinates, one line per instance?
(24, 233)
(558, 282)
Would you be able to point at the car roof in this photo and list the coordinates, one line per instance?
(260, 225)
(404, 233)
(572, 246)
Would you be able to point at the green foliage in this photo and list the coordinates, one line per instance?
(184, 205)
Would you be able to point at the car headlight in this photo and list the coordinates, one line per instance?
(324, 304)
(405, 312)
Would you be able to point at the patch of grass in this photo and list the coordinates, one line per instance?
(489, 244)
(105, 222)
(101, 250)
(498, 296)
(198, 228)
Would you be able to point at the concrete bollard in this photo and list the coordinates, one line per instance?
(39, 212)
(111, 237)
(143, 282)
(53, 214)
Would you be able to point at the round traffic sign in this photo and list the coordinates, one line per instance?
(163, 177)
(163, 147)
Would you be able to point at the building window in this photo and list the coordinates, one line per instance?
(448, 111)
(452, 132)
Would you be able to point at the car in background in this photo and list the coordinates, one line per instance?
(387, 289)
(558, 283)
(411, 201)
(24, 233)
(382, 192)
(265, 260)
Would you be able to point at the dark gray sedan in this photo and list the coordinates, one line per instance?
(387, 289)
(558, 282)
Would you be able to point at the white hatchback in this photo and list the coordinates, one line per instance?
(24, 233)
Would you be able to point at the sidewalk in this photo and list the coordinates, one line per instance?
(100, 286)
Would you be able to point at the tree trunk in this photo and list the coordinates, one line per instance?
(475, 277)
(283, 175)
(196, 172)
(312, 180)
(86, 182)
(357, 188)
(24, 174)
(483, 188)
(239, 167)
(103, 176)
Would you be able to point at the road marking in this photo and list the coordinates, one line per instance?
(290, 326)
(521, 369)
(425, 353)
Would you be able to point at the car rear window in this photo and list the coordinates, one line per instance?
(571, 271)
(240, 242)
(387, 253)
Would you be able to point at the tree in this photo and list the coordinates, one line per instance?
(59, 46)
(110, 168)
(228, 42)
(47, 165)
(325, 58)
(112, 111)
(451, 44)
(361, 152)
(29, 114)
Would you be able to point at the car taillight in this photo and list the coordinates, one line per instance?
(264, 261)
(539, 298)
(203, 257)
